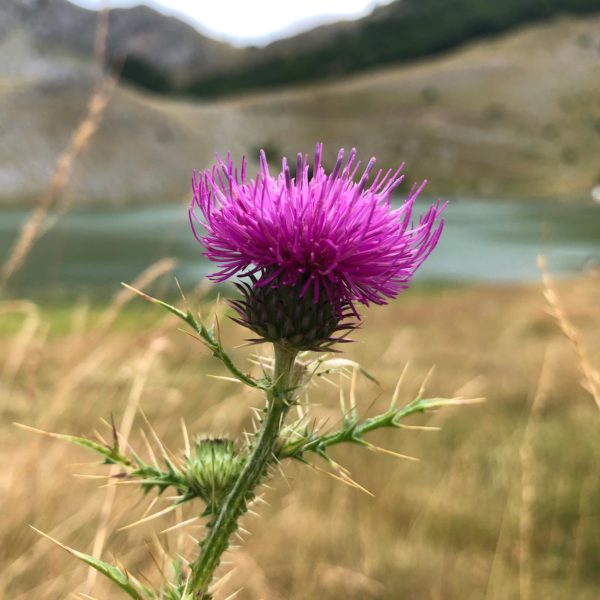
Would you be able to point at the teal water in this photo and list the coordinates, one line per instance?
(91, 251)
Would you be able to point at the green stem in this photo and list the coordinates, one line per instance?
(235, 504)
(353, 431)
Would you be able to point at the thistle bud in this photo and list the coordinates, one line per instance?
(282, 314)
(211, 469)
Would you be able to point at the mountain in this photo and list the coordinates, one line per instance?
(514, 115)
(400, 32)
(39, 36)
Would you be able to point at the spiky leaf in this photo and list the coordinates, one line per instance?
(133, 590)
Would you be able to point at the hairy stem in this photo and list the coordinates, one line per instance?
(235, 504)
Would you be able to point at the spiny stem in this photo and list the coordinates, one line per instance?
(354, 430)
(235, 504)
(207, 336)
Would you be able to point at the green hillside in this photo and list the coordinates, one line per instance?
(402, 31)
(513, 116)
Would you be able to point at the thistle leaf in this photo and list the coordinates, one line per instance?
(352, 431)
(169, 307)
(426, 404)
(209, 337)
(131, 588)
(110, 454)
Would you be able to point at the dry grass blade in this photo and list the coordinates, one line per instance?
(24, 339)
(135, 394)
(591, 376)
(63, 169)
(528, 488)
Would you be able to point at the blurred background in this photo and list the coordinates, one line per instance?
(106, 110)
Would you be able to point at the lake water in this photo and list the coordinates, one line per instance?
(91, 251)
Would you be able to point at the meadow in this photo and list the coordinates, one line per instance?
(503, 502)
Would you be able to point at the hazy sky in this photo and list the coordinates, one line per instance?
(252, 21)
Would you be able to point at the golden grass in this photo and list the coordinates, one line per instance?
(591, 376)
(503, 503)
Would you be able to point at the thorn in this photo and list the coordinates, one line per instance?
(353, 396)
(218, 324)
(380, 450)
(160, 513)
(342, 398)
(246, 345)
(425, 382)
(221, 582)
(282, 473)
(34, 430)
(138, 292)
(150, 507)
(101, 439)
(224, 378)
(166, 452)
(348, 481)
(186, 437)
(114, 432)
(419, 427)
(155, 560)
(121, 482)
(194, 336)
(396, 395)
(179, 525)
(183, 298)
(261, 500)
(150, 450)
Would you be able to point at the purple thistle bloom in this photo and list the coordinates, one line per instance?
(327, 234)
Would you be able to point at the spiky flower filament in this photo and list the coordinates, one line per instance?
(339, 236)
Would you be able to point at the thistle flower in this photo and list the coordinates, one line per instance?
(326, 238)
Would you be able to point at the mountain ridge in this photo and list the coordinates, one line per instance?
(67, 32)
(399, 32)
(517, 115)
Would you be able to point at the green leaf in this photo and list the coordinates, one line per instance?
(208, 337)
(111, 572)
(425, 404)
(169, 307)
(85, 443)
(110, 454)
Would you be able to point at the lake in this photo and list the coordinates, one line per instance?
(91, 251)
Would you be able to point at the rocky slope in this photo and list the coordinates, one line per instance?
(518, 115)
(40, 36)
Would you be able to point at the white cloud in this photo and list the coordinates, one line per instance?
(252, 21)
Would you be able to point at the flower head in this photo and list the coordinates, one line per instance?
(330, 237)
